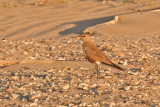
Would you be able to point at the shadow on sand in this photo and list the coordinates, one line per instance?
(82, 25)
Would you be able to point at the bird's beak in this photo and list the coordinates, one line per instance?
(78, 37)
(89, 33)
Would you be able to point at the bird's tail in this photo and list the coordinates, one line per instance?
(114, 66)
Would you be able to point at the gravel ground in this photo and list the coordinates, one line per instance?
(139, 85)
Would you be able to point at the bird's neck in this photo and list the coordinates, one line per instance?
(87, 42)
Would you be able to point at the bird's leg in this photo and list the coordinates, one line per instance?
(97, 71)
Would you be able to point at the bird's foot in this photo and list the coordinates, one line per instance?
(98, 74)
(91, 76)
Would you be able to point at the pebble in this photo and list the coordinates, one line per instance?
(33, 105)
(66, 87)
(14, 78)
(61, 59)
(93, 86)
(35, 96)
(125, 63)
(127, 88)
(83, 86)
(15, 96)
(112, 104)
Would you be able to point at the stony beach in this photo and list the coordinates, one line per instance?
(72, 86)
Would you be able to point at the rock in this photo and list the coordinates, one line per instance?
(60, 59)
(33, 105)
(14, 78)
(77, 95)
(35, 96)
(14, 96)
(125, 63)
(127, 88)
(66, 87)
(83, 86)
(71, 105)
(93, 86)
(112, 104)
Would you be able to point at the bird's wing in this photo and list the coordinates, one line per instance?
(94, 53)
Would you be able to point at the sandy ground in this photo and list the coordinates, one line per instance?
(42, 63)
(65, 19)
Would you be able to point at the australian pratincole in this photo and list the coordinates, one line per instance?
(95, 55)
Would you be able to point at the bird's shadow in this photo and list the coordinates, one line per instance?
(83, 24)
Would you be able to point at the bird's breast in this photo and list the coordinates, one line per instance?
(90, 59)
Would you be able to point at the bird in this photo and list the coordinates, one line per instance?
(93, 54)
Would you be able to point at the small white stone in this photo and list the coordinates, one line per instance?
(71, 105)
(127, 87)
(112, 104)
(66, 87)
(26, 53)
(35, 96)
(60, 59)
(33, 105)
(14, 78)
(15, 96)
(53, 47)
(83, 86)
(77, 95)
(93, 86)
(125, 63)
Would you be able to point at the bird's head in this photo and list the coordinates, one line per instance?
(86, 35)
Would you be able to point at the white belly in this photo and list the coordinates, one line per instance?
(83, 49)
(97, 62)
